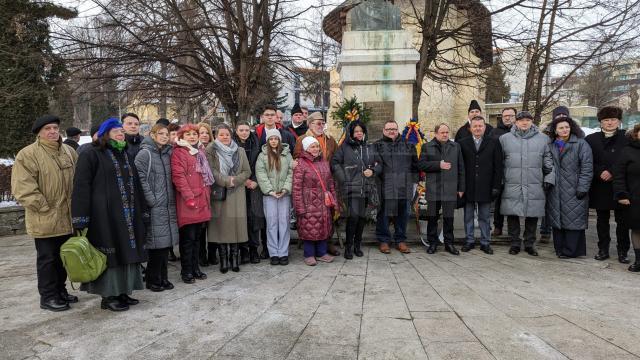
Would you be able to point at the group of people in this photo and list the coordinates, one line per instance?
(221, 195)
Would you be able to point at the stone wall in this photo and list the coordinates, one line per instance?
(380, 111)
(12, 221)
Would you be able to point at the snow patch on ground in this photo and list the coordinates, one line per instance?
(6, 162)
(4, 204)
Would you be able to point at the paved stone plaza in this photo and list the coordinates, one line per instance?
(395, 306)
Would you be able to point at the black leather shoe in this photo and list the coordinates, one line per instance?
(466, 247)
(167, 285)
(432, 249)
(531, 251)
(254, 258)
(126, 299)
(623, 259)
(348, 253)
(514, 250)
(486, 249)
(113, 303)
(601, 256)
(65, 296)
(635, 267)
(199, 275)
(284, 260)
(451, 249)
(275, 260)
(188, 279)
(54, 304)
(357, 251)
(155, 287)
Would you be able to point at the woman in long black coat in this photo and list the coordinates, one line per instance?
(108, 201)
(626, 188)
(354, 167)
(255, 213)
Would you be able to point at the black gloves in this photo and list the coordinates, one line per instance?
(581, 195)
(547, 186)
(495, 193)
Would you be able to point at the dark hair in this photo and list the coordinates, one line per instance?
(477, 117)
(269, 107)
(224, 126)
(575, 128)
(173, 127)
(245, 123)
(515, 111)
(389, 122)
(126, 115)
(437, 127)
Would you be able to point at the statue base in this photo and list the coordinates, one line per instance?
(379, 66)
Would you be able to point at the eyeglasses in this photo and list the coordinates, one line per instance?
(392, 129)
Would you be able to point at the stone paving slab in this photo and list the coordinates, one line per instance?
(396, 306)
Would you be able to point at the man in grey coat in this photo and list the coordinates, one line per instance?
(528, 174)
(442, 160)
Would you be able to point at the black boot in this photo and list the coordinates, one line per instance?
(224, 258)
(622, 258)
(635, 267)
(451, 249)
(244, 254)
(348, 247)
(265, 251)
(357, 251)
(213, 256)
(235, 257)
(254, 258)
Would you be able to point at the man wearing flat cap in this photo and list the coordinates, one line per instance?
(606, 146)
(528, 173)
(473, 111)
(41, 181)
(73, 137)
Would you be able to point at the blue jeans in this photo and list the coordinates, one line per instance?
(400, 221)
(484, 216)
(317, 248)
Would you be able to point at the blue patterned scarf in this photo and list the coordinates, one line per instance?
(128, 207)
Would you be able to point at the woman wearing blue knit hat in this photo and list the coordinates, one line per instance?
(108, 201)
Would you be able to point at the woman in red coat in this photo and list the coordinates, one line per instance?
(192, 178)
(313, 199)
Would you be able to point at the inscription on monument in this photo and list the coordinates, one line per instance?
(373, 15)
(380, 111)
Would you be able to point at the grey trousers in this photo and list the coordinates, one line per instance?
(276, 212)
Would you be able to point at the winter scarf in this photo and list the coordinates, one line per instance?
(202, 165)
(560, 144)
(127, 192)
(608, 134)
(228, 156)
(118, 145)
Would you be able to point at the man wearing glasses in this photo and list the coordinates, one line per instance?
(504, 126)
(399, 173)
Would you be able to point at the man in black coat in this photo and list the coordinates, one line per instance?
(474, 110)
(131, 125)
(483, 175)
(399, 174)
(445, 183)
(73, 137)
(298, 126)
(606, 146)
(504, 126)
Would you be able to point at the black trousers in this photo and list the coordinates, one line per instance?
(571, 243)
(530, 224)
(189, 248)
(254, 238)
(498, 219)
(604, 236)
(432, 225)
(51, 273)
(157, 266)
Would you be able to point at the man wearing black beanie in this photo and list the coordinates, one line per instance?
(298, 126)
(464, 131)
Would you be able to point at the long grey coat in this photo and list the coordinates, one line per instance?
(228, 223)
(154, 169)
(574, 171)
(527, 165)
(442, 185)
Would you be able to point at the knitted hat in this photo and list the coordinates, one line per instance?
(73, 131)
(44, 120)
(110, 123)
(610, 112)
(296, 109)
(474, 106)
(308, 141)
(273, 132)
(560, 110)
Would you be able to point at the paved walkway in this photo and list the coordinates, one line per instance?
(395, 306)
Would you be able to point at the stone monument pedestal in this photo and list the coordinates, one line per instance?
(379, 68)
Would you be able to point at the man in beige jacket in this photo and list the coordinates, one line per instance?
(41, 181)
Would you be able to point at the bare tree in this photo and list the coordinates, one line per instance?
(188, 49)
(596, 84)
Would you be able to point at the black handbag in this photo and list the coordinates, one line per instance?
(218, 193)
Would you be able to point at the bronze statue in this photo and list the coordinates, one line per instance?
(372, 15)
